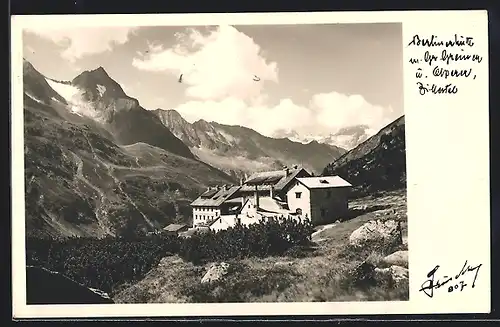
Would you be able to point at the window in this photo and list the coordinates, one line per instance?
(298, 211)
(298, 195)
(323, 212)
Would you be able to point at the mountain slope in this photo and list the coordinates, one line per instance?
(93, 94)
(378, 164)
(79, 181)
(238, 150)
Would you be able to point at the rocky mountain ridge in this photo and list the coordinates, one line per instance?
(240, 150)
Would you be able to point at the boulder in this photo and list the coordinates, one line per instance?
(216, 272)
(398, 258)
(395, 273)
(377, 232)
(48, 287)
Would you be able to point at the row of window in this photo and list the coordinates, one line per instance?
(206, 209)
(204, 217)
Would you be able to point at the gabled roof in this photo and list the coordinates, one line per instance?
(264, 177)
(174, 227)
(215, 199)
(324, 182)
(277, 179)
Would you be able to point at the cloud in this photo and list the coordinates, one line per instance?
(215, 66)
(79, 42)
(335, 110)
(326, 114)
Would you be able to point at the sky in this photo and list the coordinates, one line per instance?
(315, 79)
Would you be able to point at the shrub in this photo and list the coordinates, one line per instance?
(110, 262)
(274, 237)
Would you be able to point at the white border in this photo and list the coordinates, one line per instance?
(447, 171)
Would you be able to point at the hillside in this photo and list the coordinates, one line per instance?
(80, 181)
(378, 164)
(323, 274)
(238, 150)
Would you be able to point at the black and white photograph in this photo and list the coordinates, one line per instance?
(215, 164)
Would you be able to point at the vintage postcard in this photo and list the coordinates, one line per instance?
(250, 164)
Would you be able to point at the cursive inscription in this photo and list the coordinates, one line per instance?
(443, 59)
(452, 283)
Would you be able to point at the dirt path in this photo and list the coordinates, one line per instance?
(99, 212)
(110, 168)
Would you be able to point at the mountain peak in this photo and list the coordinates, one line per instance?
(100, 70)
(98, 74)
(98, 81)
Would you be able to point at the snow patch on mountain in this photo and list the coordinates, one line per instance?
(101, 89)
(76, 104)
(230, 139)
(67, 91)
(33, 98)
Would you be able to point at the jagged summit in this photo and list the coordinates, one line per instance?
(99, 81)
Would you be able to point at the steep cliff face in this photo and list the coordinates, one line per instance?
(378, 164)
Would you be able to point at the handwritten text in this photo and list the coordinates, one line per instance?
(456, 283)
(443, 60)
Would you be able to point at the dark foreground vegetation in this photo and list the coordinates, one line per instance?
(108, 263)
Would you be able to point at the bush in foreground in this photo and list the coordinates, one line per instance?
(273, 237)
(108, 263)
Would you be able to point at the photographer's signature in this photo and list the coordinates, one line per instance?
(453, 283)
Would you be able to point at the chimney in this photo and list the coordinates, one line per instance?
(241, 181)
(287, 170)
(256, 195)
(271, 192)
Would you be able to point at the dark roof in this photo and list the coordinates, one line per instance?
(277, 179)
(215, 199)
(209, 193)
(174, 227)
(266, 177)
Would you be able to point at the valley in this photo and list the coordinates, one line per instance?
(101, 168)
